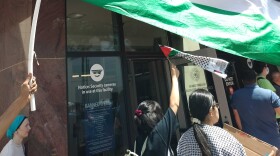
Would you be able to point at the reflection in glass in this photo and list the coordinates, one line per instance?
(89, 28)
(139, 36)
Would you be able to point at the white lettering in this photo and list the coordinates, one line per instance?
(98, 104)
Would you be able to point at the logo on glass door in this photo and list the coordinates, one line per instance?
(97, 72)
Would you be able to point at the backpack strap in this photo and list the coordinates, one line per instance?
(259, 78)
(143, 146)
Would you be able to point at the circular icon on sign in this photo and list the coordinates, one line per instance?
(195, 74)
(97, 72)
(250, 63)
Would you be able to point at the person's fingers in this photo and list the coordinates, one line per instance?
(173, 66)
(33, 88)
(34, 91)
(33, 79)
(33, 82)
(175, 69)
(28, 79)
(25, 88)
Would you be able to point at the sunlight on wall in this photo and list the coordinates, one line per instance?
(190, 45)
(25, 28)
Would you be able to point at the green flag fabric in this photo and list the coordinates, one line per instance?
(214, 65)
(248, 28)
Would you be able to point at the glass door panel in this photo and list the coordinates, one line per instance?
(96, 111)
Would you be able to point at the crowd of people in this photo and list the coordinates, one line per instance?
(155, 128)
(254, 106)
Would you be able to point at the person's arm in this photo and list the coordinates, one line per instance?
(275, 102)
(237, 119)
(277, 110)
(174, 95)
(15, 108)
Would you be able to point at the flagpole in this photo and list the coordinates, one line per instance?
(31, 49)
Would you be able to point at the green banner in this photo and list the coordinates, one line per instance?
(240, 28)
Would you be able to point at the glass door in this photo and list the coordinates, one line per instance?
(96, 110)
(147, 80)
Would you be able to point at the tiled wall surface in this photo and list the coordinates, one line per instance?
(14, 35)
(48, 136)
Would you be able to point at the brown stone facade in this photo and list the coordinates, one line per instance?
(48, 136)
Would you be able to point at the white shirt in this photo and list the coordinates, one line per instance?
(12, 149)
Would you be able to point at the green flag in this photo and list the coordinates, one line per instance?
(248, 28)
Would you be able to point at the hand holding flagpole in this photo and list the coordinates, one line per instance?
(31, 49)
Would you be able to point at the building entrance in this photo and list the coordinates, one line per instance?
(148, 79)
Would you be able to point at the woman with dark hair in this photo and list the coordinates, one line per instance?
(206, 139)
(155, 129)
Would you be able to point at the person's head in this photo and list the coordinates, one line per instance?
(261, 68)
(248, 77)
(147, 115)
(276, 77)
(202, 106)
(19, 128)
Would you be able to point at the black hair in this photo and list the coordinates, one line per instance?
(151, 115)
(201, 139)
(200, 102)
(258, 66)
(248, 76)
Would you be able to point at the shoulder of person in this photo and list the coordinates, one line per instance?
(263, 81)
(265, 90)
(188, 132)
(8, 149)
(187, 137)
(239, 91)
(260, 78)
(215, 130)
(170, 111)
